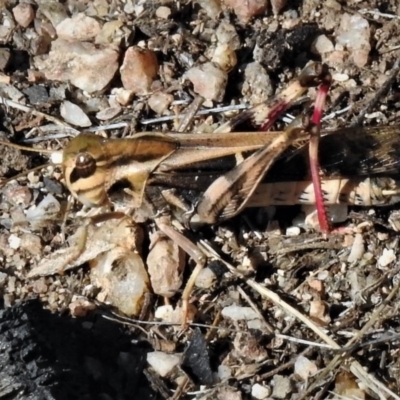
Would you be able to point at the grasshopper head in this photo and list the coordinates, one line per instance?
(84, 170)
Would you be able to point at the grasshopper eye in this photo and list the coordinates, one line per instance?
(85, 166)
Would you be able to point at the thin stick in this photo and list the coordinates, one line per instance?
(269, 327)
(19, 106)
(191, 112)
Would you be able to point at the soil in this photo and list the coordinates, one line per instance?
(333, 302)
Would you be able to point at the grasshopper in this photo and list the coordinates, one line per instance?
(195, 179)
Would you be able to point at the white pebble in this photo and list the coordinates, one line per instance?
(163, 363)
(322, 45)
(305, 368)
(340, 77)
(163, 12)
(260, 392)
(387, 257)
(165, 313)
(14, 241)
(74, 115)
(56, 157)
(224, 372)
(293, 231)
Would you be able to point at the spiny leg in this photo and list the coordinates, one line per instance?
(266, 113)
(229, 193)
(164, 224)
(313, 75)
(323, 217)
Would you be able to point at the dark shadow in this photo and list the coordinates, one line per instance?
(47, 356)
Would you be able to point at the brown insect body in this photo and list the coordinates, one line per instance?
(358, 164)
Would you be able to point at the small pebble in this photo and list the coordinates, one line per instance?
(123, 279)
(39, 286)
(108, 113)
(319, 311)
(211, 7)
(18, 195)
(387, 257)
(293, 231)
(226, 34)
(224, 372)
(282, 387)
(49, 207)
(74, 115)
(205, 279)
(37, 94)
(382, 236)
(317, 285)
(31, 243)
(245, 10)
(208, 81)
(80, 63)
(12, 93)
(323, 275)
(305, 368)
(111, 32)
(257, 86)
(6, 27)
(139, 69)
(80, 306)
(260, 392)
(225, 57)
(8, 300)
(165, 263)
(160, 101)
(23, 14)
(163, 363)
(340, 77)
(123, 97)
(14, 241)
(163, 12)
(174, 315)
(322, 45)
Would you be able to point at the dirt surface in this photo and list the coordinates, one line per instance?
(301, 315)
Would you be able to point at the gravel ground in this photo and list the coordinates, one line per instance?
(299, 315)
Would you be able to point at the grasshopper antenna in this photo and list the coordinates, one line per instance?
(55, 159)
(25, 148)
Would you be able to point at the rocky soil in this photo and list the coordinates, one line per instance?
(282, 311)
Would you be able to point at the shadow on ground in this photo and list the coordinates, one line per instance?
(47, 356)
